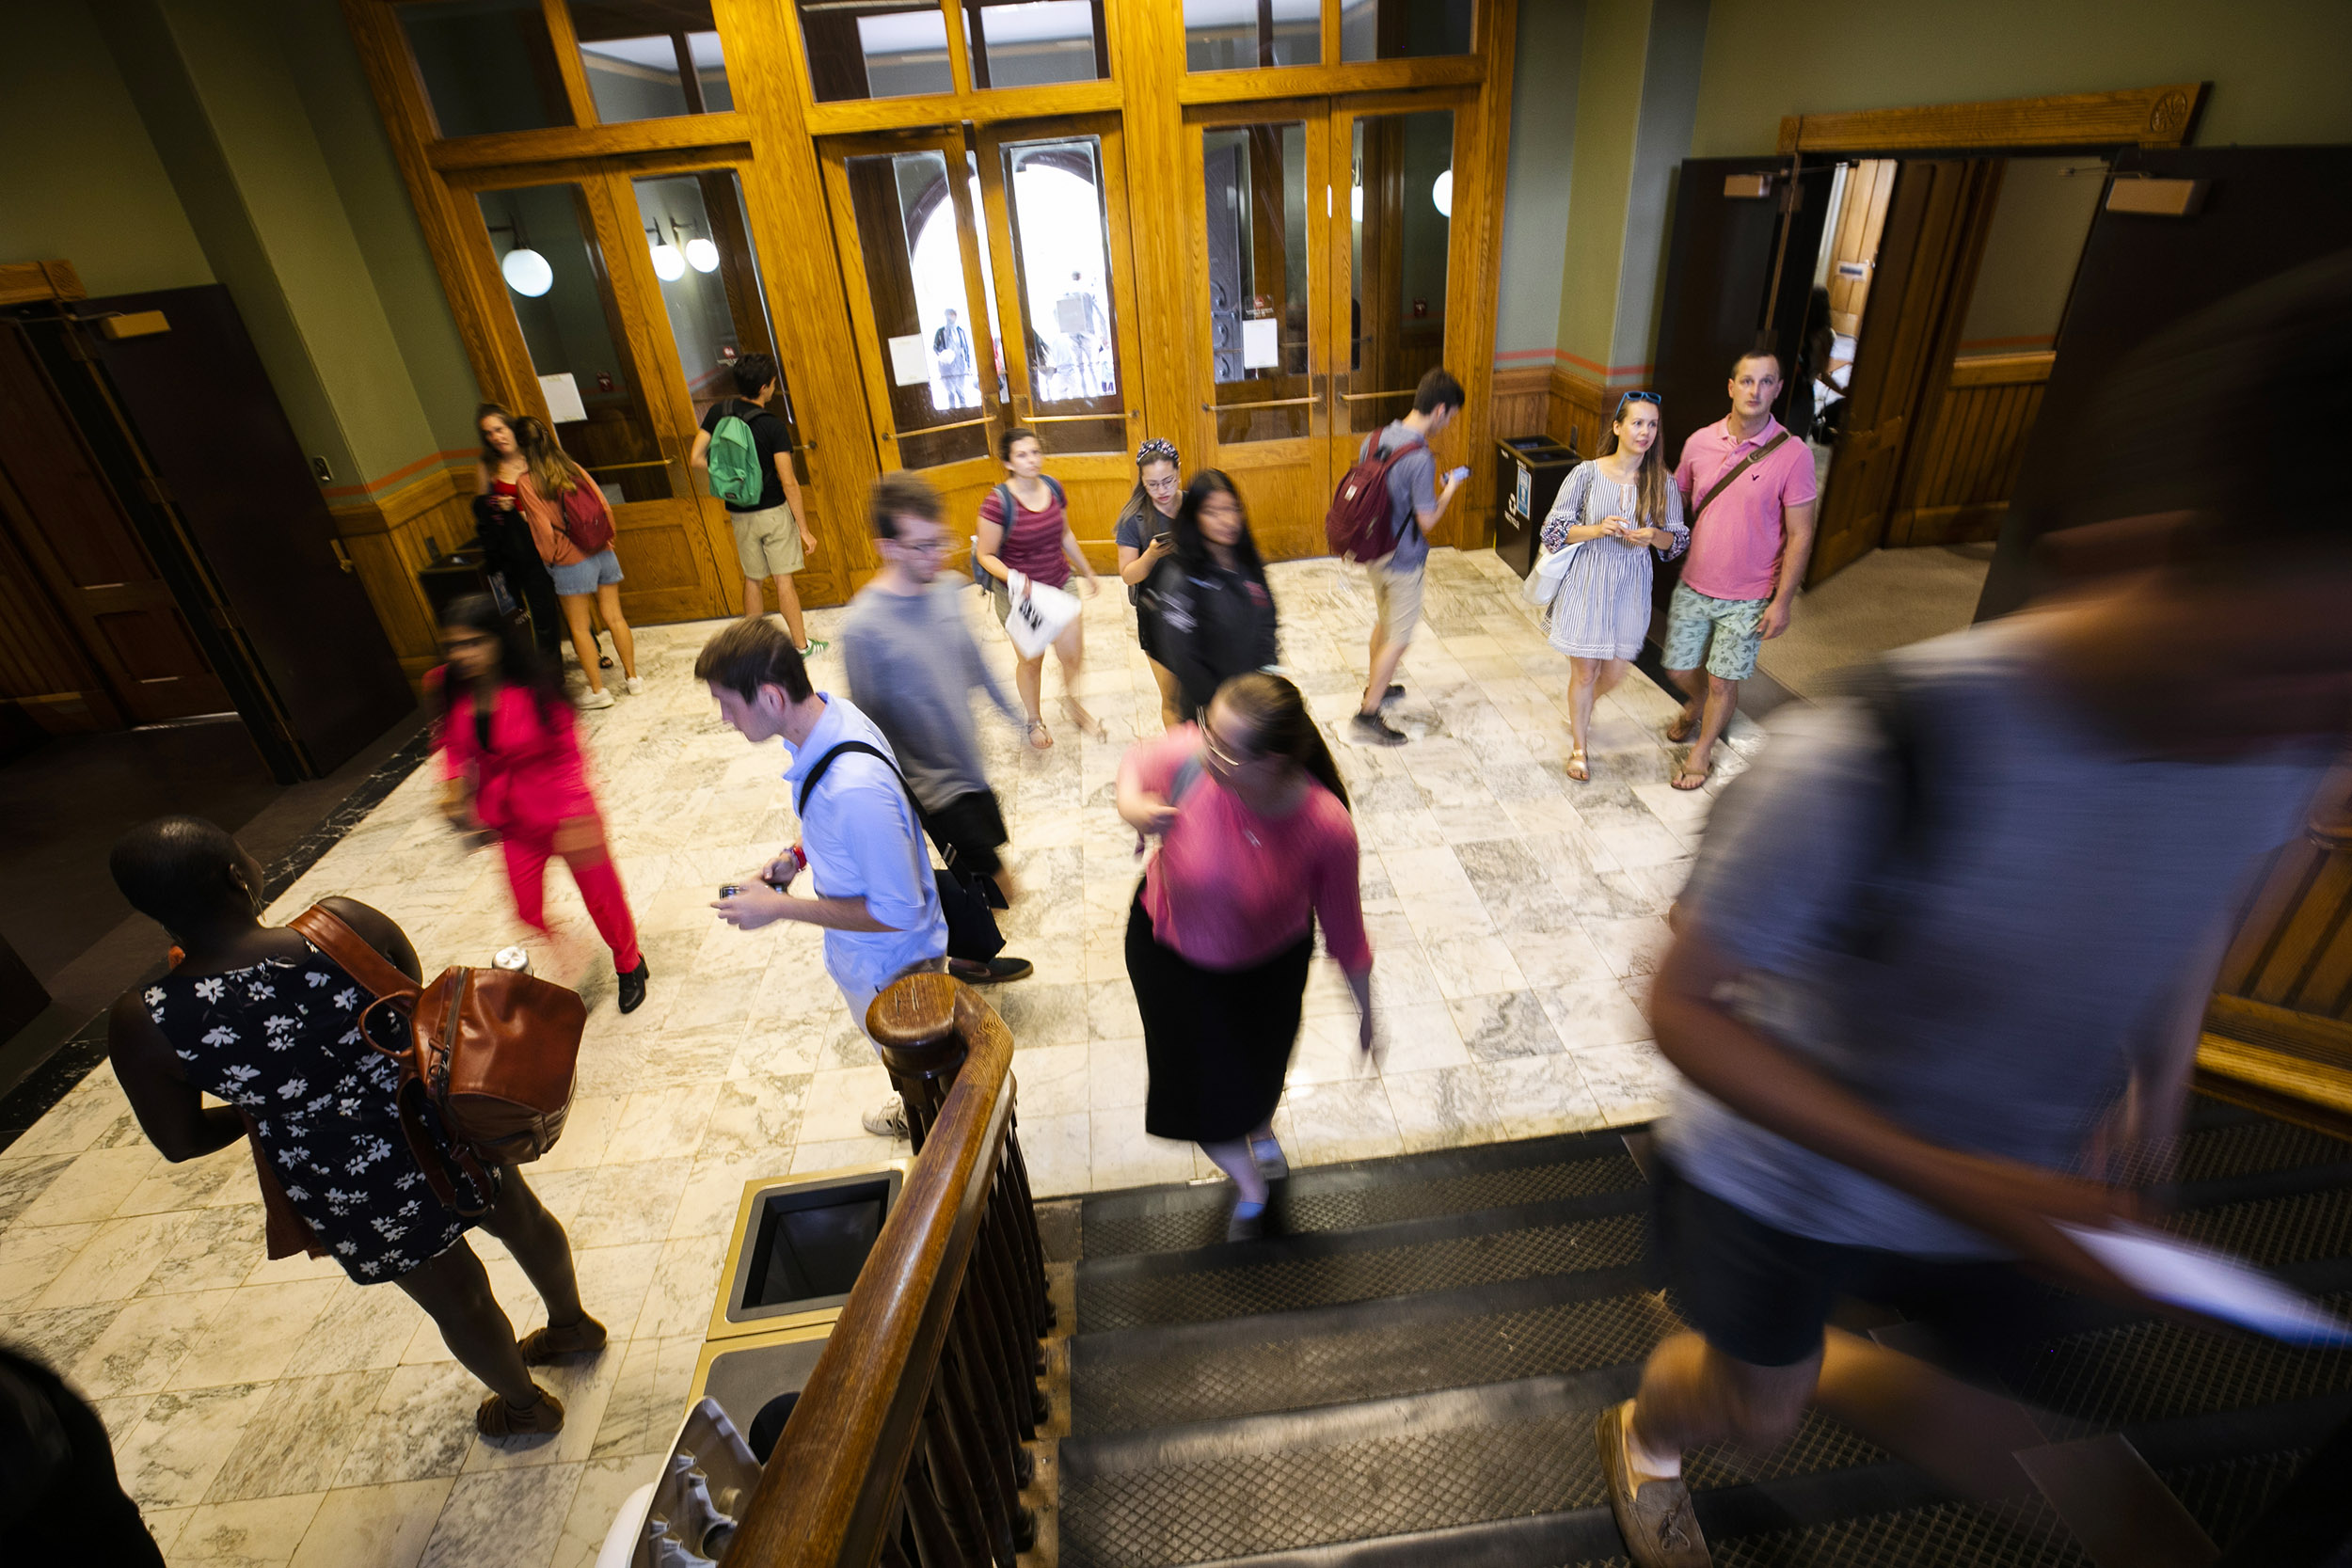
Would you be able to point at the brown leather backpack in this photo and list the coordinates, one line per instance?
(492, 1049)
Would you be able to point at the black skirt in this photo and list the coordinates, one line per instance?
(1218, 1042)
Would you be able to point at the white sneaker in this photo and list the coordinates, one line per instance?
(887, 1120)
(597, 699)
(634, 685)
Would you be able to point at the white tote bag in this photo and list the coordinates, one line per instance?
(1543, 584)
(1040, 614)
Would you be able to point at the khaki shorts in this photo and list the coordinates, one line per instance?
(1396, 598)
(767, 544)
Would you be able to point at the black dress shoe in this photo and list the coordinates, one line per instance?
(996, 971)
(633, 985)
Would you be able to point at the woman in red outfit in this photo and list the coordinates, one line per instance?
(1035, 541)
(511, 764)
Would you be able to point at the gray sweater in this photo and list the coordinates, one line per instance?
(912, 666)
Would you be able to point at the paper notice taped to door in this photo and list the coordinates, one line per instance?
(563, 395)
(1260, 347)
(909, 361)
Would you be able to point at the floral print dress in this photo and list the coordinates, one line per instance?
(280, 1041)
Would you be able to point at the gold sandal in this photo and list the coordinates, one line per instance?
(1576, 767)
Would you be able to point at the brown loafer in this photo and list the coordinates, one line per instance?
(543, 1345)
(1659, 1530)
(495, 1418)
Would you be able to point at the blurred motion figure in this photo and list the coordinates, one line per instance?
(1953, 934)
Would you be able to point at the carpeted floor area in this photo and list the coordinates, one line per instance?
(1886, 599)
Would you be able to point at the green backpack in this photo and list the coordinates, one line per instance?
(734, 456)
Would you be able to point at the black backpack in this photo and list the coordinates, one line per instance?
(972, 931)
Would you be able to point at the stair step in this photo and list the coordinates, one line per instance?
(1289, 1272)
(1366, 1193)
(1173, 1374)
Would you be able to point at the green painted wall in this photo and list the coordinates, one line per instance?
(1535, 188)
(79, 179)
(2278, 66)
(1608, 113)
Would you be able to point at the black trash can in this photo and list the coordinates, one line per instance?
(453, 576)
(1528, 471)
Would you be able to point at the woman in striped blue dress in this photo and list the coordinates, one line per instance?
(1613, 511)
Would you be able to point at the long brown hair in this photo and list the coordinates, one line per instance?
(1277, 717)
(491, 457)
(1651, 478)
(552, 472)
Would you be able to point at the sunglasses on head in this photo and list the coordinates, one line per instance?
(1651, 398)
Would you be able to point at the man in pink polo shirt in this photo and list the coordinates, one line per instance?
(1748, 548)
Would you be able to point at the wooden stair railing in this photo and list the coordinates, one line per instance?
(912, 1427)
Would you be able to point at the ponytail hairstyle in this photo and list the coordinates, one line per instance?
(552, 471)
(1277, 716)
(1651, 478)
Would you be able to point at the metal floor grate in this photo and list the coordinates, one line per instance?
(1351, 1209)
(2226, 1498)
(2293, 1230)
(1819, 1444)
(1206, 1381)
(1943, 1536)
(1360, 1491)
(2148, 1371)
(1132, 1300)
(2217, 1153)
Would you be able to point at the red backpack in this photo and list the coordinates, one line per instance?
(587, 521)
(1358, 525)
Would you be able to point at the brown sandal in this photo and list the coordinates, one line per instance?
(543, 1345)
(1680, 731)
(497, 1416)
(1688, 778)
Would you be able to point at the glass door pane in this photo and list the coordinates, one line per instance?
(1241, 35)
(1400, 228)
(649, 60)
(1254, 214)
(875, 48)
(562, 293)
(1401, 29)
(702, 255)
(917, 288)
(1059, 220)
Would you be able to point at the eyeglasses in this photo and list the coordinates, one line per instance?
(933, 545)
(1217, 752)
(1156, 451)
(1651, 398)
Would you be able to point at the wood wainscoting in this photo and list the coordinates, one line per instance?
(385, 538)
(1958, 481)
(2279, 1031)
(1545, 400)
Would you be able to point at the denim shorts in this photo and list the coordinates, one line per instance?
(586, 577)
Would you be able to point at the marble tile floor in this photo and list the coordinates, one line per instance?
(273, 1413)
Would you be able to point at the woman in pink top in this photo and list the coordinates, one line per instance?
(1256, 845)
(1035, 540)
(511, 765)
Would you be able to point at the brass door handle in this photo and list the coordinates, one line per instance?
(343, 558)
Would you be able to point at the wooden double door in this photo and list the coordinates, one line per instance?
(632, 287)
(1322, 269)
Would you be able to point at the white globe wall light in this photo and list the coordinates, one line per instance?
(1441, 194)
(527, 272)
(702, 255)
(668, 264)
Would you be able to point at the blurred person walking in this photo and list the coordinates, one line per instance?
(1143, 537)
(1214, 610)
(511, 765)
(567, 514)
(912, 667)
(861, 840)
(61, 1500)
(761, 494)
(1416, 505)
(1614, 511)
(256, 1016)
(1256, 846)
(504, 536)
(1024, 528)
(1941, 966)
(1747, 488)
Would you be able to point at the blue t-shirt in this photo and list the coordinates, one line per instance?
(1412, 490)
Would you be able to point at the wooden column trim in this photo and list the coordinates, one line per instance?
(2143, 117)
(36, 282)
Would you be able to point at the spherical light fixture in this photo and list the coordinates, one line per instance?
(1355, 203)
(1441, 194)
(668, 266)
(702, 255)
(527, 272)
